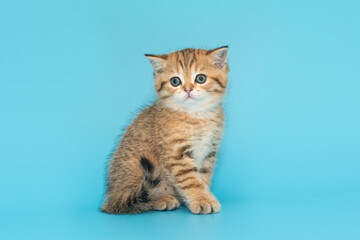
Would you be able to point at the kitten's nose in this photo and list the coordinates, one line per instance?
(188, 90)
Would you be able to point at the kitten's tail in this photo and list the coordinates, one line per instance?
(139, 198)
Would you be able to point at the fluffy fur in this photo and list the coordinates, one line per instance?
(167, 155)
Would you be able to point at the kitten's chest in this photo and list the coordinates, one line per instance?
(205, 141)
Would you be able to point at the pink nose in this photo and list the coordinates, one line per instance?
(188, 90)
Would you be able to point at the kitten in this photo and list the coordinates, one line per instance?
(167, 154)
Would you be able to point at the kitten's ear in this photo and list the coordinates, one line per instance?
(157, 62)
(219, 56)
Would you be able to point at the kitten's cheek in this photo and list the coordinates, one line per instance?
(179, 97)
(198, 96)
(183, 96)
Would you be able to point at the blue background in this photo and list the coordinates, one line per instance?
(73, 75)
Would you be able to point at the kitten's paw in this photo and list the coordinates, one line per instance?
(166, 203)
(205, 206)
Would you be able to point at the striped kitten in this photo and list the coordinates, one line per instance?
(168, 153)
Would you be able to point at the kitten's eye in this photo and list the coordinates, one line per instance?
(175, 81)
(200, 78)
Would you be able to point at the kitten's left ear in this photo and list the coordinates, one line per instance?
(219, 56)
(157, 62)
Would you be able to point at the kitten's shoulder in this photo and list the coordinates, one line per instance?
(150, 111)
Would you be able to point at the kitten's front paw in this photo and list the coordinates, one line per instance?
(166, 203)
(205, 206)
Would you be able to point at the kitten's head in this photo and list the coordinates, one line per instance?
(191, 79)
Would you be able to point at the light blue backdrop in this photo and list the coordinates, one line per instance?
(73, 75)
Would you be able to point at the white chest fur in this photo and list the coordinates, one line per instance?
(204, 143)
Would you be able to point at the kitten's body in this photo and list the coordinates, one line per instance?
(168, 153)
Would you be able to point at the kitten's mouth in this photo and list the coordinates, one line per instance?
(188, 97)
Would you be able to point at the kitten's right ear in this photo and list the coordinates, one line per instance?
(157, 62)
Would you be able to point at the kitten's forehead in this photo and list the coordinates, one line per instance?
(187, 60)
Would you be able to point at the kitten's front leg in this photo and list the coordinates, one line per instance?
(186, 177)
(207, 169)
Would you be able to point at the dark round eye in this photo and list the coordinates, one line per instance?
(175, 81)
(201, 78)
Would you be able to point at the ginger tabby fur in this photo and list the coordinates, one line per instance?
(167, 155)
